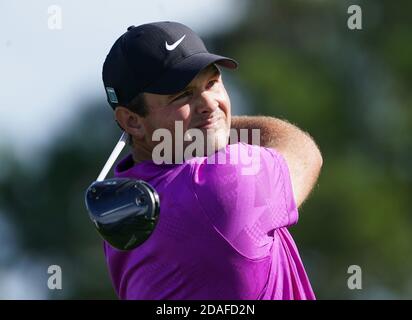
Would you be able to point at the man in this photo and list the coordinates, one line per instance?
(222, 234)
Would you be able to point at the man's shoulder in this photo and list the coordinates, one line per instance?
(240, 158)
(237, 164)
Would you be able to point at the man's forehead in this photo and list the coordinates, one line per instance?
(213, 69)
(210, 71)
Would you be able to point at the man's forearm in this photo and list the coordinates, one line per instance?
(272, 130)
(296, 146)
(275, 133)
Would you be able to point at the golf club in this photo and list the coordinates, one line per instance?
(124, 211)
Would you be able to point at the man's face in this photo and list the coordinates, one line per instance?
(203, 104)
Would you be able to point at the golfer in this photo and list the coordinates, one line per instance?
(222, 230)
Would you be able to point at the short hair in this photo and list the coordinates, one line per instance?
(137, 105)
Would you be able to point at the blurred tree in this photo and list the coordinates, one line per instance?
(47, 206)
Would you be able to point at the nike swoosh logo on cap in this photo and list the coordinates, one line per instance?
(171, 47)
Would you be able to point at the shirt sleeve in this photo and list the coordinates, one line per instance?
(248, 198)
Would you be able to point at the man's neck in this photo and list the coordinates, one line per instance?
(141, 154)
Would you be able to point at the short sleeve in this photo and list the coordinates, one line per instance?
(283, 185)
(245, 206)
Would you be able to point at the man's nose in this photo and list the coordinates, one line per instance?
(206, 103)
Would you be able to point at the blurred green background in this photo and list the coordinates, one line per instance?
(350, 89)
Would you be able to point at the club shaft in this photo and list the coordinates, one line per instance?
(115, 153)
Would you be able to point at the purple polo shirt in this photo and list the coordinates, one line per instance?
(222, 231)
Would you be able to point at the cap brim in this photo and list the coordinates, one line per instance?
(181, 74)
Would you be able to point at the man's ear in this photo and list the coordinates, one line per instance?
(130, 121)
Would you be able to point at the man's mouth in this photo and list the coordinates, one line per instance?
(209, 123)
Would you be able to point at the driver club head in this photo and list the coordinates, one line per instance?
(124, 211)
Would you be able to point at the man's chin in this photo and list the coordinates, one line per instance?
(213, 139)
(215, 142)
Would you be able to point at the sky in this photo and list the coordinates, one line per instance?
(46, 73)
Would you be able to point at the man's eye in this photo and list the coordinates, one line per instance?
(212, 83)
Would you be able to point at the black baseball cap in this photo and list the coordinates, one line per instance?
(161, 58)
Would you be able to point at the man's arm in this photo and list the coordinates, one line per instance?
(297, 147)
